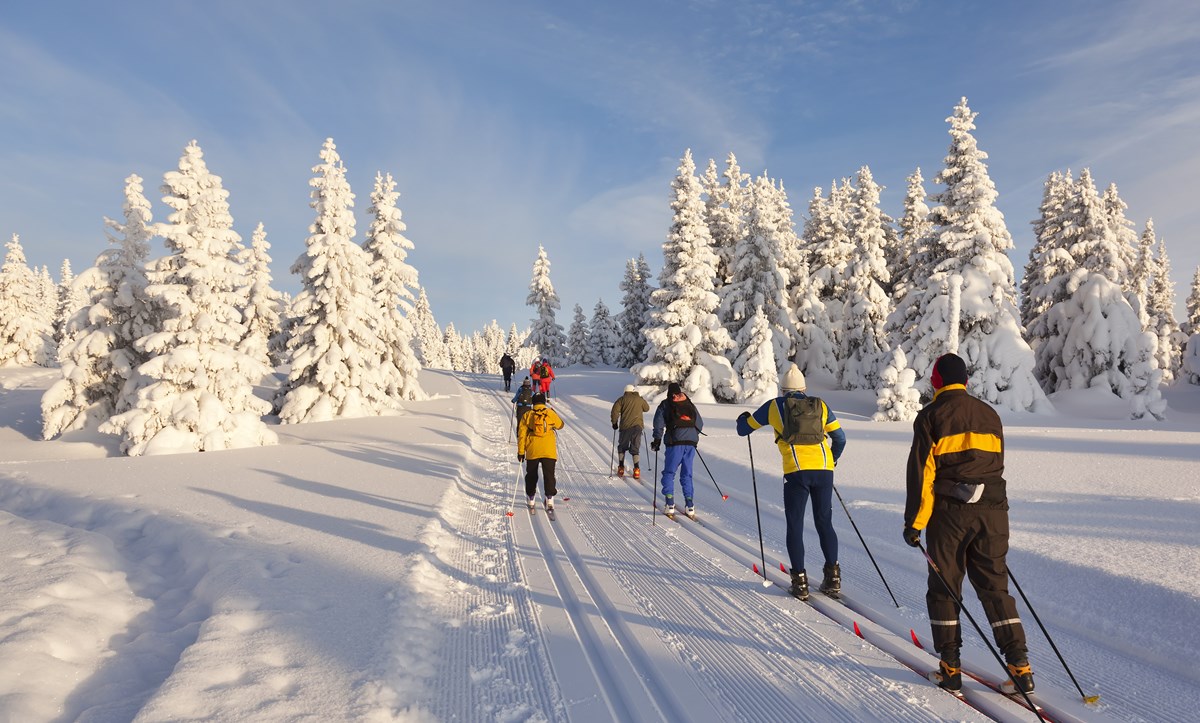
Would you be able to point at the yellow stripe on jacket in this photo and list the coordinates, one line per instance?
(949, 445)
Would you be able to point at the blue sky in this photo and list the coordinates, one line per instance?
(509, 125)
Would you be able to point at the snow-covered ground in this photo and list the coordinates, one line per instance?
(366, 570)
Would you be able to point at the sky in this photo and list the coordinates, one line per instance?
(518, 124)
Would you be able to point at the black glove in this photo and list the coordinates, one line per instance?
(655, 445)
(743, 416)
(912, 537)
(614, 426)
(520, 458)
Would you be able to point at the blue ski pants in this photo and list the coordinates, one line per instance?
(678, 456)
(798, 487)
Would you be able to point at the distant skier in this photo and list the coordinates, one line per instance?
(537, 446)
(956, 492)
(678, 423)
(507, 367)
(542, 374)
(626, 416)
(523, 399)
(810, 440)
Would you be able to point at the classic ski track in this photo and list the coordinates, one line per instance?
(770, 682)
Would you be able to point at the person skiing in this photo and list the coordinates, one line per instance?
(537, 446)
(957, 495)
(507, 367)
(542, 374)
(810, 440)
(678, 423)
(523, 399)
(626, 416)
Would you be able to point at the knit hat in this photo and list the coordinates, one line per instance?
(539, 398)
(948, 369)
(793, 380)
(629, 388)
(526, 382)
(673, 388)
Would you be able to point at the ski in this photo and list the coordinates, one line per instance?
(935, 676)
(550, 513)
(1003, 688)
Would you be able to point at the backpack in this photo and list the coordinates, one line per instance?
(538, 424)
(803, 421)
(544, 371)
(681, 414)
(525, 397)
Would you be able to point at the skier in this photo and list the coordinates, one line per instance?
(626, 415)
(956, 493)
(537, 445)
(523, 399)
(507, 367)
(678, 423)
(542, 374)
(810, 440)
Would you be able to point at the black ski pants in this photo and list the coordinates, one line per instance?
(965, 539)
(531, 476)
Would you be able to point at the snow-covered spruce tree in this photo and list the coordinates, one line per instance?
(759, 280)
(428, 342)
(1048, 260)
(98, 356)
(898, 399)
(454, 348)
(1124, 236)
(909, 259)
(546, 333)
(827, 240)
(513, 341)
(336, 348)
(815, 350)
(724, 211)
(195, 390)
(635, 311)
(687, 342)
(1190, 365)
(867, 305)
(393, 280)
(71, 298)
(577, 338)
(969, 230)
(26, 339)
(47, 296)
(756, 363)
(1160, 311)
(492, 341)
(262, 310)
(604, 343)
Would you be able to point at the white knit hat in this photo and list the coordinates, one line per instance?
(793, 380)
(629, 388)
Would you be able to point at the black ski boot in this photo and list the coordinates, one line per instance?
(949, 674)
(1022, 675)
(799, 588)
(832, 584)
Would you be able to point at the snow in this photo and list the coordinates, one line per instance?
(364, 569)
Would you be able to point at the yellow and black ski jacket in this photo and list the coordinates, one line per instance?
(956, 438)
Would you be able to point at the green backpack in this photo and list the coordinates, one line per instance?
(803, 421)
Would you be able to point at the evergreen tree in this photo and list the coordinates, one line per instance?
(393, 280)
(262, 310)
(867, 304)
(26, 339)
(1191, 352)
(514, 341)
(47, 295)
(756, 363)
(969, 232)
(604, 342)
(577, 338)
(898, 399)
(546, 333)
(335, 349)
(1160, 311)
(428, 342)
(98, 356)
(492, 341)
(72, 297)
(635, 311)
(454, 348)
(815, 352)
(687, 342)
(724, 211)
(909, 262)
(1050, 264)
(194, 391)
(1124, 237)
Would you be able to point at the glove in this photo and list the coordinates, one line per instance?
(655, 445)
(520, 458)
(912, 537)
(743, 416)
(614, 426)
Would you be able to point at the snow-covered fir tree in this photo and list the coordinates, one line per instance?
(264, 303)
(909, 263)
(1190, 365)
(26, 337)
(195, 390)
(758, 280)
(47, 296)
(72, 297)
(897, 399)
(970, 231)
(867, 304)
(1160, 311)
(604, 343)
(724, 210)
(1043, 283)
(1124, 235)
(827, 240)
(393, 280)
(513, 341)
(577, 338)
(635, 311)
(428, 342)
(687, 342)
(756, 364)
(546, 333)
(336, 348)
(98, 356)
(492, 342)
(455, 353)
(815, 349)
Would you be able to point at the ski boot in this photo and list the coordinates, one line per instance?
(529, 501)
(669, 508)
(832, 584)
(621, 470)
(799, 588)
(1022, 676)
(948, 676)
(549, 504)
(637, 472)
(689, 509)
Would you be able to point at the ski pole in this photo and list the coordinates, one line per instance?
(612, 456)
(512, 505)
(654, 492)
(864, 544)
(1086, 698)
(710, 476)
(958, 602)
(512, 426)
(754, 481)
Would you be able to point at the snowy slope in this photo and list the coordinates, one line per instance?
(366, 570)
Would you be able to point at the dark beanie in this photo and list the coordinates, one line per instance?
(539, 398)
(949, 369)
(673, 388)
